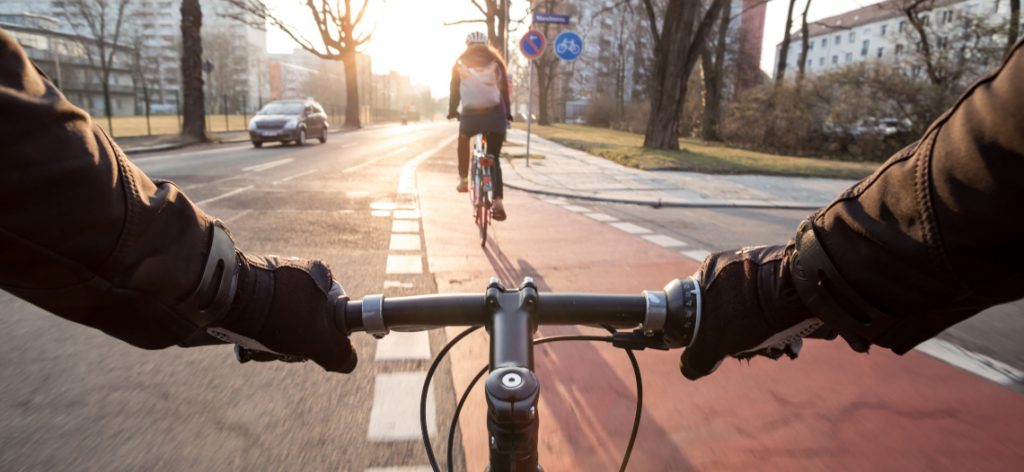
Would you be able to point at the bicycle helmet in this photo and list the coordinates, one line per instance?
(476, 37)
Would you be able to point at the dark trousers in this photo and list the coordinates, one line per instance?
(494, 143)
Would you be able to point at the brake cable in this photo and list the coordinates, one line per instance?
(480, 374)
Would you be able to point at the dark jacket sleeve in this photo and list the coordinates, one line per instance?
(84, 233)
(935, 235)
(454, 96)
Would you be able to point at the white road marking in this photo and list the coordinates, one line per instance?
(405, 242)
(403, 346)
(977, 364)
(396, 284)
(601, 217)
(664, 241)
(630, 228)
(290, 177)
(407, 214)
(404, 264)
(374, 160)
(237, 216)
(161, 157)
(405, 226)
(556, 201)
(267, 165)
(380, 213)
(396, 407)
(696, 254)
(576, 208)
(225, 195)
(383, 205)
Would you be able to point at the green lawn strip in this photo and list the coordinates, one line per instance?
(695, 156)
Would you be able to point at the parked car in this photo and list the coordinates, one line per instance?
(289, 121)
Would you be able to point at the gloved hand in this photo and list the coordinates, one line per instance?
(287, 306)
(749, 307)
(453, 115)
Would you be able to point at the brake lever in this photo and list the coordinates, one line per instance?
(244, 354)
(637, 340)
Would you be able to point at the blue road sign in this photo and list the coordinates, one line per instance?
(541, 17)
(568, 45)
(533, 43)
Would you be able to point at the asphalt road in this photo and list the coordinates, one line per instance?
(72, 398)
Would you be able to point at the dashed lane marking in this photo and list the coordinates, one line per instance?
(405, 242)
(407, 214)
(403, 346)
(576, 208)
(237, 216)
(664, 241)
(223, 195)
(290, 177)
(396, 406)
(696, 254)
(397, 284)
(601, 217)
(405, 226)
(267, 165)
(630, 228)
(374, 160)
(404, 264)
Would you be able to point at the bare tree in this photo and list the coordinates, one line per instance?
(193, 124)
(99, 22)
(713, 72)
(677, 45)
(495, 17)
(1011, 37)
(805, 46)
(337, 24)
(780, 66)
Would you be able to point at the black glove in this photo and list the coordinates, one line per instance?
(749, 307)
(286, 306)
(453, 115)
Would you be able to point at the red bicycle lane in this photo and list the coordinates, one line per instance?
(832, 408)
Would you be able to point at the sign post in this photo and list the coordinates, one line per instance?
(532, 46)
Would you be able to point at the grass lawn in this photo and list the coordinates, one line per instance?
(694, 155)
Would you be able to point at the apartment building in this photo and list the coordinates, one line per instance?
(154, 28)
(880, 32)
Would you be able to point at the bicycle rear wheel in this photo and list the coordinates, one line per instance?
(483, 220)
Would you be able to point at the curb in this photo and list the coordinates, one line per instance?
(669, 204)
(175, 146)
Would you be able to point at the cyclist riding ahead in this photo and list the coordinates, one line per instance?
(480, 83)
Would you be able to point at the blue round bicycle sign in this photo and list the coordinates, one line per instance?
(568, 45)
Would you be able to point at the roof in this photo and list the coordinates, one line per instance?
(877, 12)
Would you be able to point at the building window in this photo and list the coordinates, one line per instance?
(853, 36)
(824, 42)
(864, 48)
(839, 39)
(880, 52)
(810, 63)
(821, 62)
(903, 26)
(947, 16)
(867, 31)
(924, 19)
(882, 30)
(835, 59)
(849, 57)
(899, 49)
(810, 45)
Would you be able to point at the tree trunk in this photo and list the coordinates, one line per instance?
(805, 45)
(677, 50)
(780, 67)
(194, 111)
(713, 78)
(351, 90)
(106, 105)
(1011, 37)
(544, 80)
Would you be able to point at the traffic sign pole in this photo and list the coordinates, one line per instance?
(529, 115)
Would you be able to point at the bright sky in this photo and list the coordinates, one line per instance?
(409, 36)
(775, 21)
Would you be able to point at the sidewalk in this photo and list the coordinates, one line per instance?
(571, 173)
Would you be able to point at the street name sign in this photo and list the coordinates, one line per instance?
(541, 17)
(568, 45)
(533, 43)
